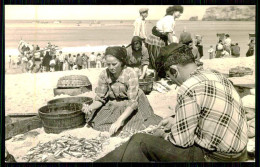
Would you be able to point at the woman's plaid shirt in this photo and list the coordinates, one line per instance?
(210, 113)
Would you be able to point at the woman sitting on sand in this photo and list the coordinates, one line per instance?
(119, 103)
(138, 57)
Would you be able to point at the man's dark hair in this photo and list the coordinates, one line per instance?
(182, 55)
(170, 10)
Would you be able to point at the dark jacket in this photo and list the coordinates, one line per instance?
(46, 60)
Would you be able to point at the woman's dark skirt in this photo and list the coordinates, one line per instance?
(139, 119)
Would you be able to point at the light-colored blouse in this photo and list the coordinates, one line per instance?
(166, 24)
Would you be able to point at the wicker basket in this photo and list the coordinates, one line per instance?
(61, 116)
(73, 81)
(240, 72)
(146, 85)
(87, 100)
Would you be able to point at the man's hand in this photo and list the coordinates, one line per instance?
(166, 123)
(160, 133)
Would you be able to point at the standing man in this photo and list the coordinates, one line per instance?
(24, 63)
(61, 60)
(79, 61)
(211, 52)
(92, 60)
(139, 24)
(209, 122)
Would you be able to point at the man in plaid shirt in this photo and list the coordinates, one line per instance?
(209, 122)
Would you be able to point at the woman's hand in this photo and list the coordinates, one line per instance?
(115, 126)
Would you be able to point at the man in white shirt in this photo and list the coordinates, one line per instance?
(139, 24)
(211, 52)
(92, 60)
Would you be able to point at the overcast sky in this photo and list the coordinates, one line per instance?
(94, 12)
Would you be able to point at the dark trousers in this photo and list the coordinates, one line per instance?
(60, 66)
(79, 67)
(92, 64)
(146, 148)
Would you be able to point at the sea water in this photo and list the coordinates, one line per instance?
(74, 35)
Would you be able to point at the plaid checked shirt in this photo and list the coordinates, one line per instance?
(210, 113)
(124, 88)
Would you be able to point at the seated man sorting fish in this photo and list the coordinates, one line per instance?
(119, 103)
(209, 122)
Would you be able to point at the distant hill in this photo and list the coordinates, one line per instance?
(194, 18)
(230, 13)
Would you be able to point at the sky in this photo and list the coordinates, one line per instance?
(95, 12)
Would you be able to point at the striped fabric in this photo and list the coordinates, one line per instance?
(209, 112)
(154, 45)
(154, 40)
(139, 120)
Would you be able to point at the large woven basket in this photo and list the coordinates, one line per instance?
(73, 81)
(61, 116)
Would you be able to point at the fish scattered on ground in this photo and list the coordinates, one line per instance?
(66, 147)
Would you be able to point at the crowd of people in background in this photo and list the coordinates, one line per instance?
(163, 35)
(225, 48)
(56, 62)
(64, 62)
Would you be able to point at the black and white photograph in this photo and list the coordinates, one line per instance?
(129, 83)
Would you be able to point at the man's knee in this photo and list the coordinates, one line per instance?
(142, 138)
(138, 137)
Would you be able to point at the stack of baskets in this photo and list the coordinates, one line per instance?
(63, 114)
(240, 71)
(73, 85)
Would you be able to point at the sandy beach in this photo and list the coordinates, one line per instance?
(27, 92)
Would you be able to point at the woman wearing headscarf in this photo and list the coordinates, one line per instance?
(163, 33)
(119, 103)
(138, 57)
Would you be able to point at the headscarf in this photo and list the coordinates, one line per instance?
(118, 52)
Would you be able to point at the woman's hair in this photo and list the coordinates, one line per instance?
(118, 52)
(170, 10)
(136, 39)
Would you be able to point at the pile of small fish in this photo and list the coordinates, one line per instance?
(66, 147)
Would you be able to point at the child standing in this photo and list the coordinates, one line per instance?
(211, 52)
